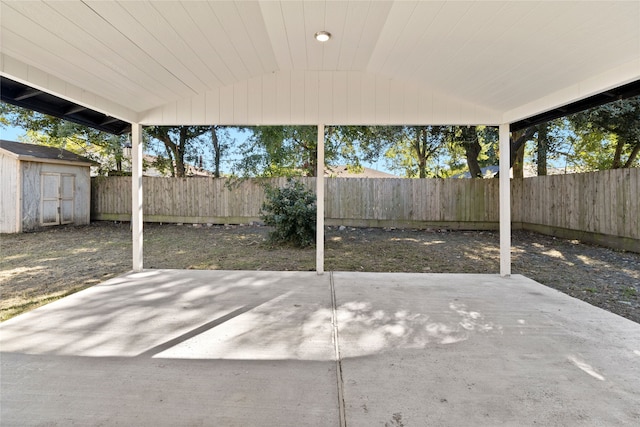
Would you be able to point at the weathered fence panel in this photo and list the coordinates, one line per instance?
(196, 200)
(469, 204)
(454, 203)
(602, 207)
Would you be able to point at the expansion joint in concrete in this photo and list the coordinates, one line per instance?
(336, 343)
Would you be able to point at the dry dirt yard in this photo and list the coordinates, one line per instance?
(40, 267)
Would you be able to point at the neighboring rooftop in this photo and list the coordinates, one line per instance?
(529, 171)
(342, 171)
(32, 152)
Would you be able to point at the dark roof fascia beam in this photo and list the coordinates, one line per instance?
(74, 110)
(29, 93)
(108, 121)
(622, 92)
(24, 96)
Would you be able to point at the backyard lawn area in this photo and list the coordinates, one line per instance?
(40, 267)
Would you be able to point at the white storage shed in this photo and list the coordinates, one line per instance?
(42, 186)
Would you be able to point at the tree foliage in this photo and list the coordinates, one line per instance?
(608, 136)
(292, 150)
(179, 143)
(476, 144)
(220, 144)
(414, 150)
(43, 129)
(601, 138)
(279, 151)
(604, 137)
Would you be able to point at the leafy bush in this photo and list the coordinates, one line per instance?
(291, 210)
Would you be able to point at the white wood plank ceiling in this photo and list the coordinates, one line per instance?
(256, 62)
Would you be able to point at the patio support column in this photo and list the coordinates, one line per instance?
(505, 202)
(136, 194)
(320, 202)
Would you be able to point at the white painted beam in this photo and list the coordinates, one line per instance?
(320, 203)
(505, 202)
(136, 194)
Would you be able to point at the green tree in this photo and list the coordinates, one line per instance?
(414, 150)
(43, 129)
(608, 136)
(280, 151)
(604, 137)
(467, 137)
(550, 140)
(292, 150)
(356, 144)
(180, 143)
(219, 148)
(478, 145)
(517, 145)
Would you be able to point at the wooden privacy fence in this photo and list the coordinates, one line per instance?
(602, 207)
(452, 203)
(186, 200)
(599, 207)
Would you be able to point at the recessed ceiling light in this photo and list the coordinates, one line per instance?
(322, 36)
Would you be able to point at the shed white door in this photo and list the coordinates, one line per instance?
(57, 198)
(67, 198)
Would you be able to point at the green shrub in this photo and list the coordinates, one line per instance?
(291, 210)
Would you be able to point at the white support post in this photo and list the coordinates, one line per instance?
(505, 202)
(320, 203)
(136, 194)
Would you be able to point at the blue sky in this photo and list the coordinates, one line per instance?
(11, 133)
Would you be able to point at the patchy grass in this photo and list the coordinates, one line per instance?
(34, 302)
(37, 268)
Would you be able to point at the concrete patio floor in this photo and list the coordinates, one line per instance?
(237, 348)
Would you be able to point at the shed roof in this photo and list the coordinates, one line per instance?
(42, 153)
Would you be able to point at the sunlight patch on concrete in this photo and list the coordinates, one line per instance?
(144, 274)
(585, 367)
(278, 329)
(367, 330)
